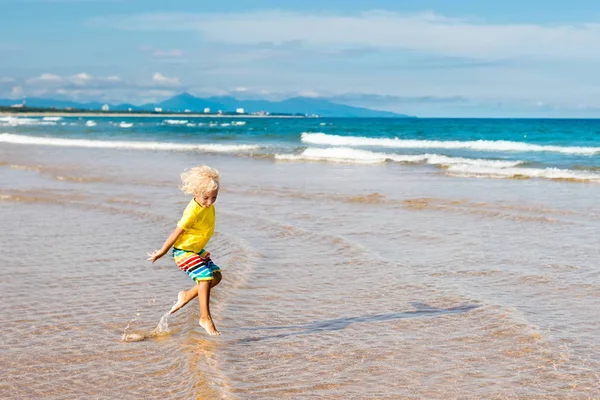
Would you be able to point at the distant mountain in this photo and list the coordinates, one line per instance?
(186, 101)
(301, 105)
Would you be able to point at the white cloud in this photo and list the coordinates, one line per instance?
(420, 32)
(309, 93)
(161, 79)
(48, 78)
(85, 86)
(83, 76)
(85, 80)
(81, 79)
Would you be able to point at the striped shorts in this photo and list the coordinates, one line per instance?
(198, 266)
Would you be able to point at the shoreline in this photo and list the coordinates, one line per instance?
(134, 114)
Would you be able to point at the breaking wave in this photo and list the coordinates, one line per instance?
(110, 144)
(349, 155)
(482, 145)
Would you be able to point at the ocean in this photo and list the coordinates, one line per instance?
(362, 258)
(500, 148)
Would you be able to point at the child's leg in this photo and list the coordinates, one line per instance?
(184, 297)
(216, 279)
(204, 299)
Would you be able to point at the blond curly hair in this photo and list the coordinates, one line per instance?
(199, 180)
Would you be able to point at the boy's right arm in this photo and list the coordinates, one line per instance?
(165, 248)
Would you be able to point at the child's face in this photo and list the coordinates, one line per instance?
(207, 199)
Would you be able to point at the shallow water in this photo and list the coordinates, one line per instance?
(340, 281)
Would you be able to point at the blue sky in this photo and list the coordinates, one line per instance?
(426, 58)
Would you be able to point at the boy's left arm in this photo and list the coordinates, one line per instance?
(156, 254)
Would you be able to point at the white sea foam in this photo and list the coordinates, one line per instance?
(51, 118)
(238, 123)
(175, 121)
(18, 121)
(90, 123)
(106, 144)
(125, 124)
(455, 166)
(349, 155)
(545, 173)
(482, 145)
(336, 154)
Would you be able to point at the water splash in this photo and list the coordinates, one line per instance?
(161, 329)
(163, 324)
(133, 337)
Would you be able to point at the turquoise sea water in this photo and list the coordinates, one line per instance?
(496, 148)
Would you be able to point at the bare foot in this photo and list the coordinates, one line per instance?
(180, 302)
(209, 326)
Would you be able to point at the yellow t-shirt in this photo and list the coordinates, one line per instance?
(198, 224)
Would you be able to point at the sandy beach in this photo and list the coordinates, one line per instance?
(340, 281)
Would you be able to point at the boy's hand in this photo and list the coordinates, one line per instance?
(155, 255)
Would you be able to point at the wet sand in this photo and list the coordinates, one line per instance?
(340, 281)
